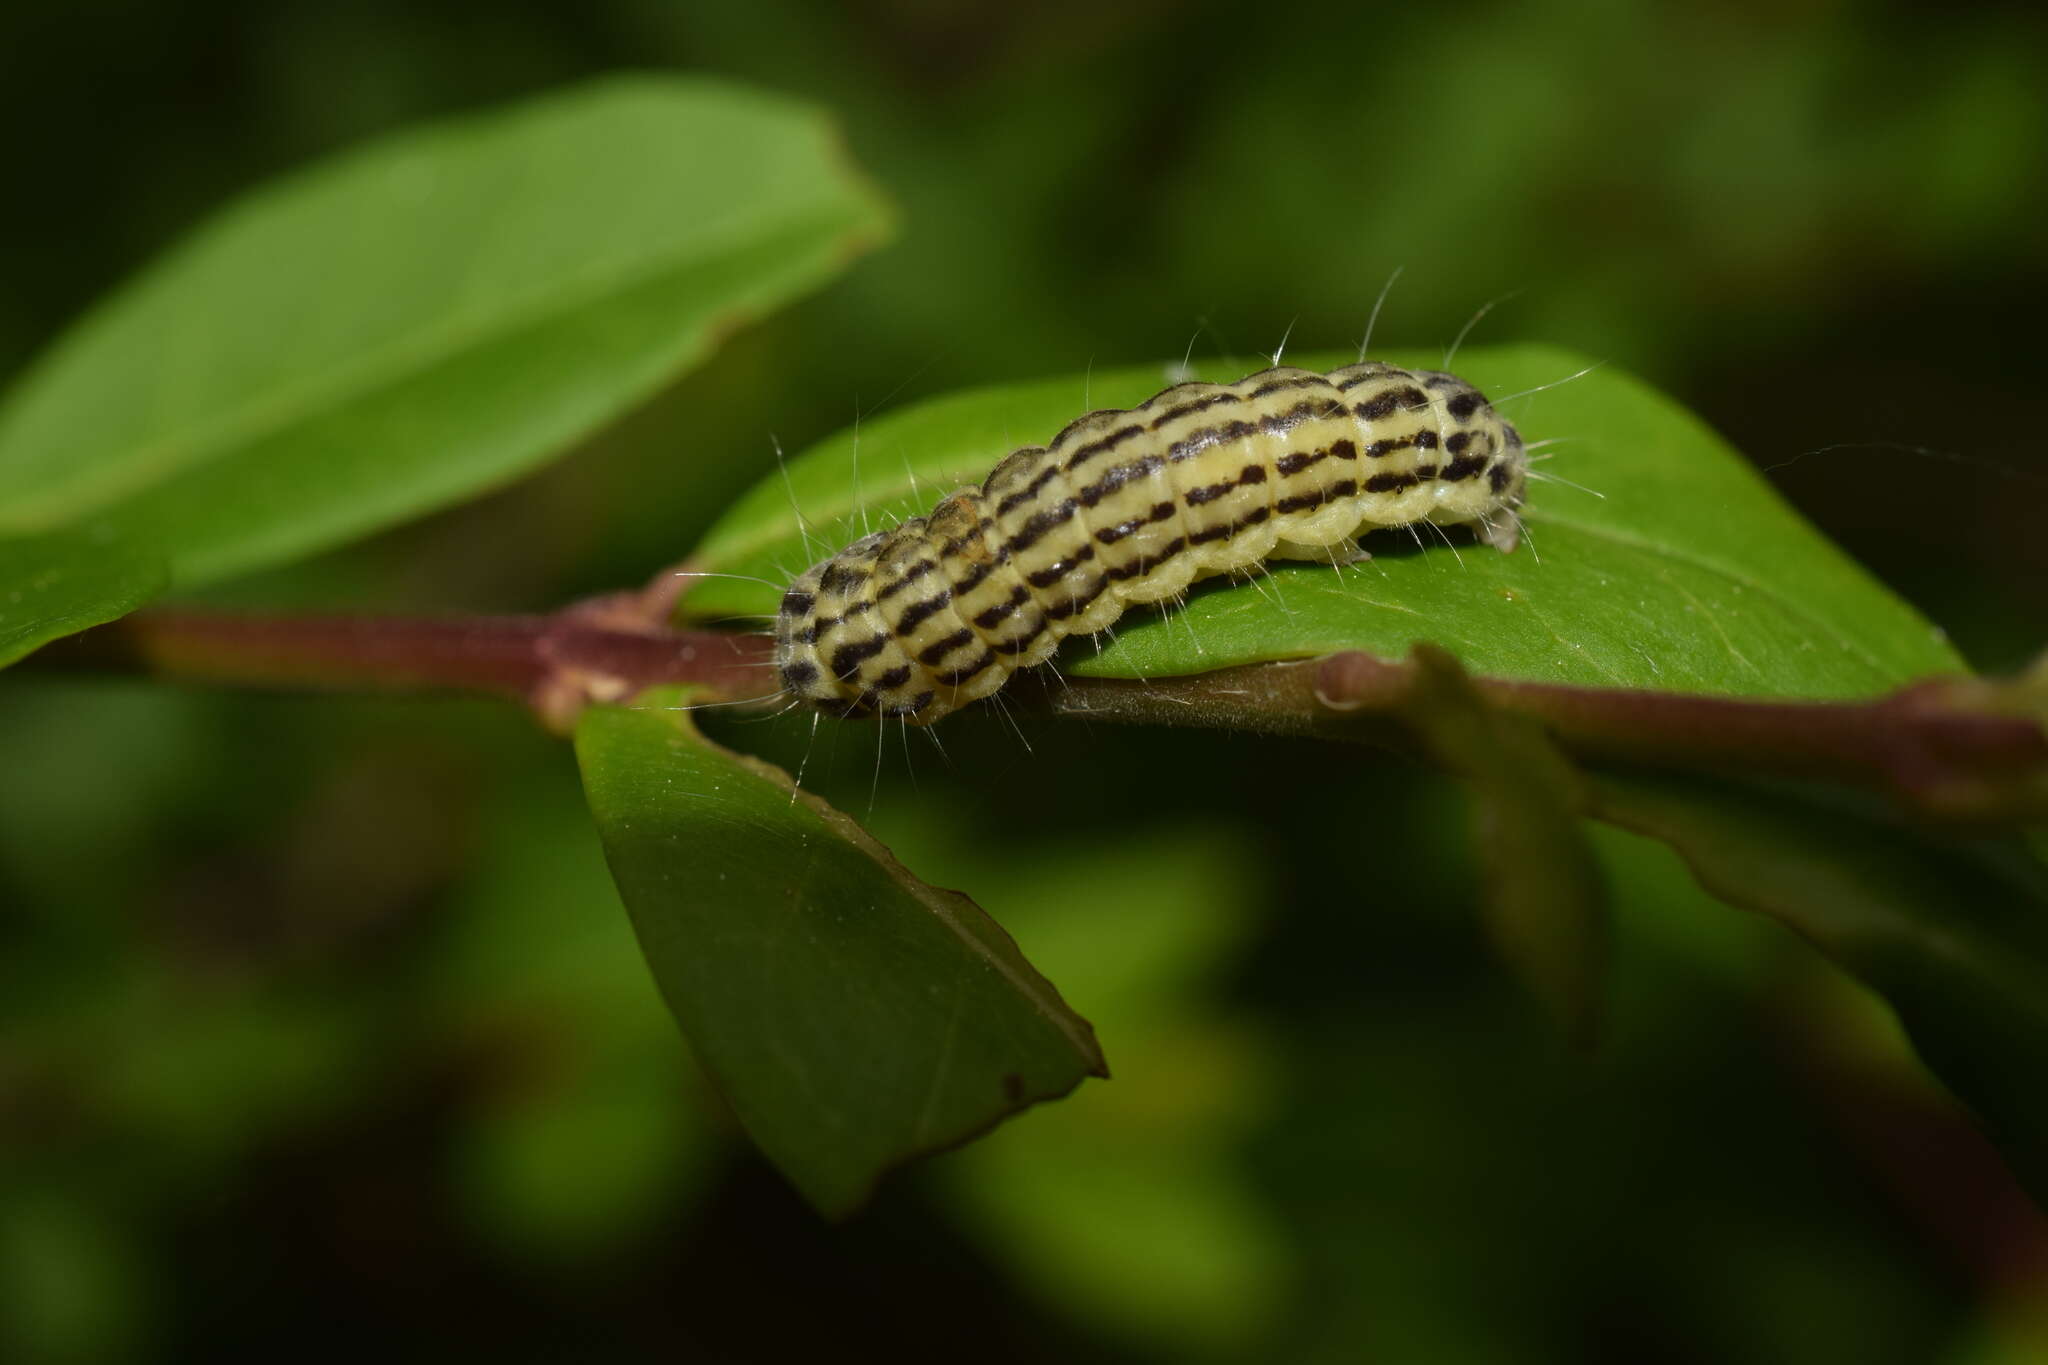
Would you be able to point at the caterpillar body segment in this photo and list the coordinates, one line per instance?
(1131, 506)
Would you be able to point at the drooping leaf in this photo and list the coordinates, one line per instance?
(56, 585)
(853, 1016)
(407, 324)
(1681, 570)
(1953, 933)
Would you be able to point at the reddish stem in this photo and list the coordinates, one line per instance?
(1946, 746)
(554, 663)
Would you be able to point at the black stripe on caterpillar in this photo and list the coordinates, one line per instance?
(1129, 506)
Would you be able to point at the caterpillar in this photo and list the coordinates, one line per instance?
(1129, 506)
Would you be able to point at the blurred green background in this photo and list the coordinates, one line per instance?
(324, 1032)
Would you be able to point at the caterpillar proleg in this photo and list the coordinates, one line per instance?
(1129, 506)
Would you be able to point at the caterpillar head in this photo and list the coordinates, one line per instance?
(1482, 463)
(814, 611)
(835, 651)
(796, 652)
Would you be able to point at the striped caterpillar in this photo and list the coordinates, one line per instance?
(1129, 506)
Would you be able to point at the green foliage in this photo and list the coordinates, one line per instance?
(56, 585)
(219, 955)
(1680, 570)
(1673, 566)
(428, 317)
(853, 1016)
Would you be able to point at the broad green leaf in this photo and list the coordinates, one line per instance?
(853, 1016)
(1686, 572)
(57, 585)
(1953, 934)
(407, 324)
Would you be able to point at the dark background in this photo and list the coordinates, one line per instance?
(323, 1030)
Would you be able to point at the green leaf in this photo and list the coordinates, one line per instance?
(853, 1016)
(402, 326)
(1953, 934)
(1688, 574)
(57, 585)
